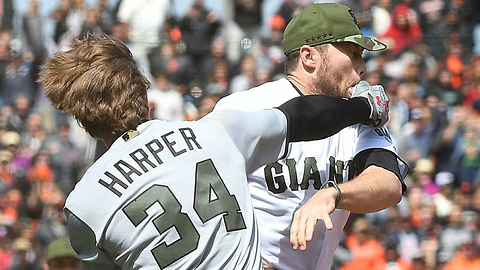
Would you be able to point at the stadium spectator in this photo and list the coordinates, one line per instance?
(146, 19)
(199, 28)
(288, 9)
(467, 257)
(6, 178)
(248, 16)
(69, 18)
(381, 19)
(8, 14)
(61, 256)
(92, 22)
(367, 252)
(66, 158)
(453, 236)
(246, 79)
(218, 53)
(166, 101)
(218, 80)
(24, 257)
(16, 76)
(32, 38)
(394, 261)
(404, 31)
(175, 64)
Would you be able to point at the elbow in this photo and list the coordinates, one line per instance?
(391, 187)
(396, 191)
(397, 197)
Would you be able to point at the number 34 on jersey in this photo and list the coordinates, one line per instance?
(211, 199)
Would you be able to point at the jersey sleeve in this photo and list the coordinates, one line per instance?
(260, 136)
(369, 138)
(84, 243)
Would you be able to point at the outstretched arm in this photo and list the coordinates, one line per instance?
(318, 117)
(376, 188)
(312, 117)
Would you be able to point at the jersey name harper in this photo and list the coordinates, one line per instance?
(164, 197)
(141, 158)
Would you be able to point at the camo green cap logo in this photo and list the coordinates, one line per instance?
(322, 23)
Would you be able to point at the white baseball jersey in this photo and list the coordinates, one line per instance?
(174, 195)
(280, 188)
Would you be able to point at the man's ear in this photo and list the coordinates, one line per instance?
(308, 57)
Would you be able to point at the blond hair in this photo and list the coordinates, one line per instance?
(98, 82)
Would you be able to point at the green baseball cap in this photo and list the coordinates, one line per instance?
(321, 23)
(60, 248)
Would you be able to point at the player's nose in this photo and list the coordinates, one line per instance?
(359, 66)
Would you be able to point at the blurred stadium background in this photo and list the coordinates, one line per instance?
(195, 52)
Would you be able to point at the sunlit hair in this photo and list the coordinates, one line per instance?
(291, 61)
(98, 82)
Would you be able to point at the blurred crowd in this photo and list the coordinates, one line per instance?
(431, 73)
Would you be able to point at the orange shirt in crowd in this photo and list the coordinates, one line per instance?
(41, 173)
(6, 177)
(461, 262)
(369, 255)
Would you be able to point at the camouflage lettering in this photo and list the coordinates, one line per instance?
(275, 184)
(310, 172)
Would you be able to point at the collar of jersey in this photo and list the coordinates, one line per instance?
(296, 88)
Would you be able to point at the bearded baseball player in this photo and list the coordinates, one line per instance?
(174, 195)
(319, 183)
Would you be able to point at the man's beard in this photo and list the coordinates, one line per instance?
(328, 80)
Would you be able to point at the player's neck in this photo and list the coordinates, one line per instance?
(300, 84)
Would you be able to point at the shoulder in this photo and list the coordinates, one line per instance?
(267, 95)
(220, 117)
(234, 120)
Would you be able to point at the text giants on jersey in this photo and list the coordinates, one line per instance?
(141, 158)
(276, 184)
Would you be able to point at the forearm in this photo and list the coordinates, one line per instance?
(376, 188)
(318, 117)
(373, 190)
